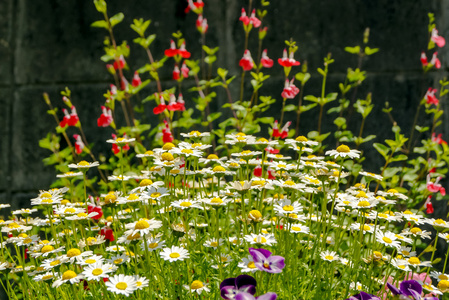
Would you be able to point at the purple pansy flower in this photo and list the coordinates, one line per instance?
(248, 296)
(264, 261)
(363, 296)
(230, 287)
(409, 288)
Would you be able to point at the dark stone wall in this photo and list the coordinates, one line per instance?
(47, 45)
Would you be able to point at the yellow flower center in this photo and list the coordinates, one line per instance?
(110, 198)
(174, 255)
(167, 156)
(73, 252)
(415, 230)
(185, 204)
(296, 228)
(46, 195)
(47, 248)
(377, 254)
(90, 261)
(83, 163)
(288, 208)
(365, 228)
(439, 222)
(97, 272)
(168, 146)
(301, 138)
(195, 132)
(289, 182)
(262, 140)
(68, 275)
(251, 265)
(196, 284)
(255, 215)
(214, 244)
(46, 277)
(234, 165)
(121, 286)
(363, 203)
(382, 215)
(343, 149)
(443, 284)
(414, 261)
(218, 169)
(196, 145)
(65, 202)
(133, 197)
(387, 240)
(153, 245)
(118, 261)
(293, 216)
(142, 224)
(133, 237)
(69, 210)
(187, 151)
(146, 182)
(442, 277)
(155, 195)
(392, 191)
(260, 240)
(361, 194)
(81, 215)
(329, 257)
(212, 156)
(216, 200)
(22, 235)
(149, 152)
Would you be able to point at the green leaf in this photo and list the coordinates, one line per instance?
(311, 98)
(399, 157)
(115, 19)
(100, 5)
(353, 50)
(213, 116)
(304, 108)
(302, 77)
(371, 51)
(266, 120)
(100, 24)
(340, 121)
(437, 260)
(321, 71)
(290, 107)
(382, 149)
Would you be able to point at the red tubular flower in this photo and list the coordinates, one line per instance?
(254, 20)
(438, 139)
(119, 63)
(423, 59)
(246, 62)
(124, 83)
(113, 89)
(136, 80)
(276, 132)
(106, 117)
(244, 18)
(73, 121)
(167, 136)
(79, 145)
(196, 7)
(258, 171)
(435, 61)
(184, 70)
(172, 104)
(284, 130)
(183, 52)
(108, 234)
(172, 51)
(96, 209)
(429, 209)
(430, 97)
(288, 61)
(439, 40)
(290, 90)
(161, 107)
(271, 174)
(201, 24)
(265, 60)
(181, 103)
(65, 120)
(176, 73)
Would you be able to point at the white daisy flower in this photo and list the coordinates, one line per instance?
(388, 239)
(285, 207)
(298, 228)
(213, 243)
(195, 134)
(260, 239)
(174, 253)
(89, 260)
(152, 244)
(247, 265)
(51, 263)
(82, 165)
(329, 255)
(44, 277)
(141, 282)
(343, 151)
(121, 284)
(197, 287)
(400, 264)
(118, 259)
(69, 174)
(67, 276)
(97, 271)
(144, 226)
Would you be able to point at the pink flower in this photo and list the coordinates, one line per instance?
(184, 70)
(201, 24)
(435, 61)
(265, 60)
(79, 145)
(439, 40)
(106, 117)
(254, 20)
(246, 62)
(136, 80)
(288, 61)
(423, 59)
(290, 90)
(430, 97)
(435, 187)
(70, 120)
(244, 18)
